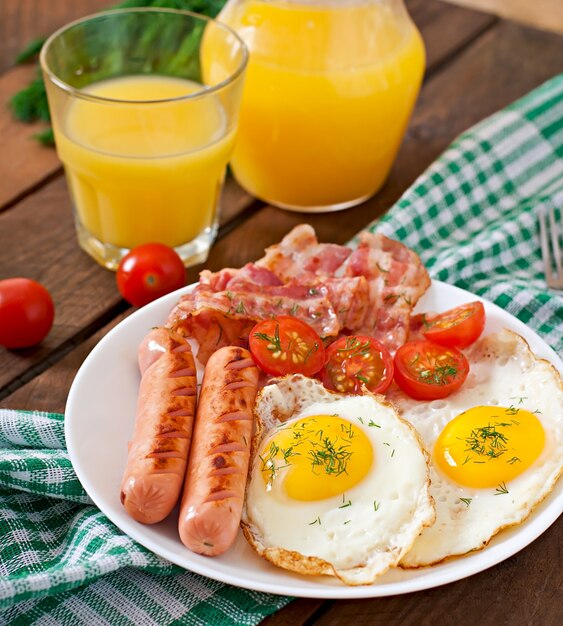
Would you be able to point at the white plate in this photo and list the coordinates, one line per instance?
(100, 414)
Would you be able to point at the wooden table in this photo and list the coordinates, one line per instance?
(476, 64)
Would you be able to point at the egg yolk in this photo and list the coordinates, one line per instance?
(316, 457)
(489, 445)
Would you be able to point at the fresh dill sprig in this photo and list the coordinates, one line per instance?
(487, 441)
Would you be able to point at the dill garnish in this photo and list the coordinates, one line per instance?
(466, 501)
(487, 441)
(501, 489)
(332, 456)
(344, 503)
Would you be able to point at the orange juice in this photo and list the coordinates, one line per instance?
(144, 169)
(329, 90)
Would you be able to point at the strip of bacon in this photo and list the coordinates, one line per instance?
(397, 279)
(300, 256)
(371, 290)
(218, 318)
(389, 279)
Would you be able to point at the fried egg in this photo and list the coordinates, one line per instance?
(338, 484)
(496, 446)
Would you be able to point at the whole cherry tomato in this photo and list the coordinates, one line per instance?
(457, 327)
(26, 312)
(427, 371)
(286, 345)
(354, 361)
(148, 272)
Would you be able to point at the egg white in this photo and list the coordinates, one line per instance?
(387, 509)
(503, 372)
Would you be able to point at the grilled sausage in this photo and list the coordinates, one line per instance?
(215, 482)
(158, 452)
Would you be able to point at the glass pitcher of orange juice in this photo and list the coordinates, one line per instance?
(329, 90)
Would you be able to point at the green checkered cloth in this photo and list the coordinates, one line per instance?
(472, 218)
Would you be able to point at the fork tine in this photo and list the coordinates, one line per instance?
(544, 245)
(554, 227)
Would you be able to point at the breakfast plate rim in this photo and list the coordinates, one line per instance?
(94, 419)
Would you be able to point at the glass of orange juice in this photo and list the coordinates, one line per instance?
(143, 135)
(329, 90)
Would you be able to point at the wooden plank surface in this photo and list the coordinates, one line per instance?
(25, 20)
(543, 14)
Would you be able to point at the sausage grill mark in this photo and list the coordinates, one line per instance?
(228, 447)
(185, 371)
(159, 449)
(219, 461)
(184, 391)
(214, 487)
(233, 416)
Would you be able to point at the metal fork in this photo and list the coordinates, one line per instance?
(551, 232)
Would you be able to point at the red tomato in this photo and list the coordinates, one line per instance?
(286, 345)
(26, 312)
(457, 327)
(427, 371)
(148, 272)
(357, 360)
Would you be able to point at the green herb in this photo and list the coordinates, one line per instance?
(501, 489)
(345, 504)
(30, 51)
(317, 521)
(332, 457)
(376, 505)
(274, 343)
(372, 423)
(438, 376)
(466, 501)
(487, 441)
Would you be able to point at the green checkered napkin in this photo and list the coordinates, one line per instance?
(472, 218)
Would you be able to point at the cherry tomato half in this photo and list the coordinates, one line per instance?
(148, 272)
(286, 345)
(357, 360)
(427, 371)
(26, 312)
(457, 327)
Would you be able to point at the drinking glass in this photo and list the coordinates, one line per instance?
(145, 114)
